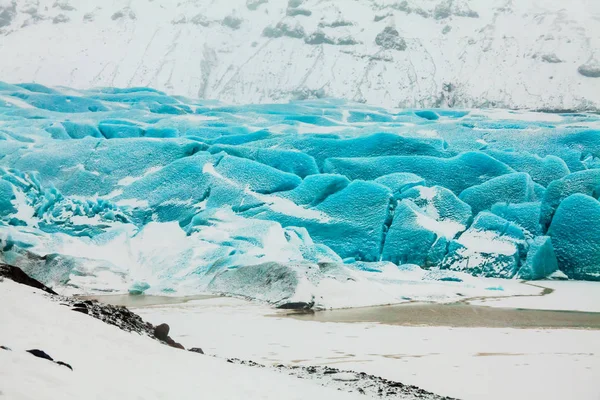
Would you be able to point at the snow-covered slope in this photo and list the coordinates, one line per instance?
(416, 53)
(111, 364)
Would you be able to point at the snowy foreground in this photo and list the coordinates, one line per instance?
(111, 364)
(411, 53)
(464, 363)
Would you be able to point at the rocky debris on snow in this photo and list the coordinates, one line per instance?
(350, 381)
(196, 350)
(42, 354)
(16, 274)
(117, 316)
(5, 348)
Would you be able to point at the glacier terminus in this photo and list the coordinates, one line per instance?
(133, 190)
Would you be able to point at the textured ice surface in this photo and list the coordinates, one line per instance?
(116, 190)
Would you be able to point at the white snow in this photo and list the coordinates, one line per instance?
(486, 242)
(277, 204)
(25, 211)
(14, 101)
(111, 364)
(468, 363)
(507, 115)
(131, 179)
(447, 228)
(493, 58)
(567, 296)
(133, 203)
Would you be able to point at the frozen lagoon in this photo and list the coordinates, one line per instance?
(497, 362)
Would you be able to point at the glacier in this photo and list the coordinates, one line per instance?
(134, 190)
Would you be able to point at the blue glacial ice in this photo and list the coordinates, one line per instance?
(132, 189)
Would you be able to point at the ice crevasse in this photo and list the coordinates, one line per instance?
(134, 190)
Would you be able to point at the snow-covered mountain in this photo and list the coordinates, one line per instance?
(539, 54)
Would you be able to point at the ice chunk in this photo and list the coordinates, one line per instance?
(585, 182)
(414, 238)
(440, 204)
(424, 222)
(314, 189)
(120, 130)
(290, 161)
(7, 197)
(511, 188)
(526, 215)
(91, 166)
(456, 173)
(400, 181)
(60, 103)
(269, 282)
(376, 145)
(541, 261)
(173, 191)
(356, 231)
(541, 170)
(80, 130)
(256, 176)
(491, 247)
(575, 232)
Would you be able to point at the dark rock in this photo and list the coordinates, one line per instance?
(16, 274)
(196, 350)
(369, 385)
(82, 310)
(177, 345)
(65, 365)
(5, 348)
(300, 305)
(173, 343)
(162, 332)
(40, 354)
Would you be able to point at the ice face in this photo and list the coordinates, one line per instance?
(575, 232)
(132, 189)
(510, 188)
